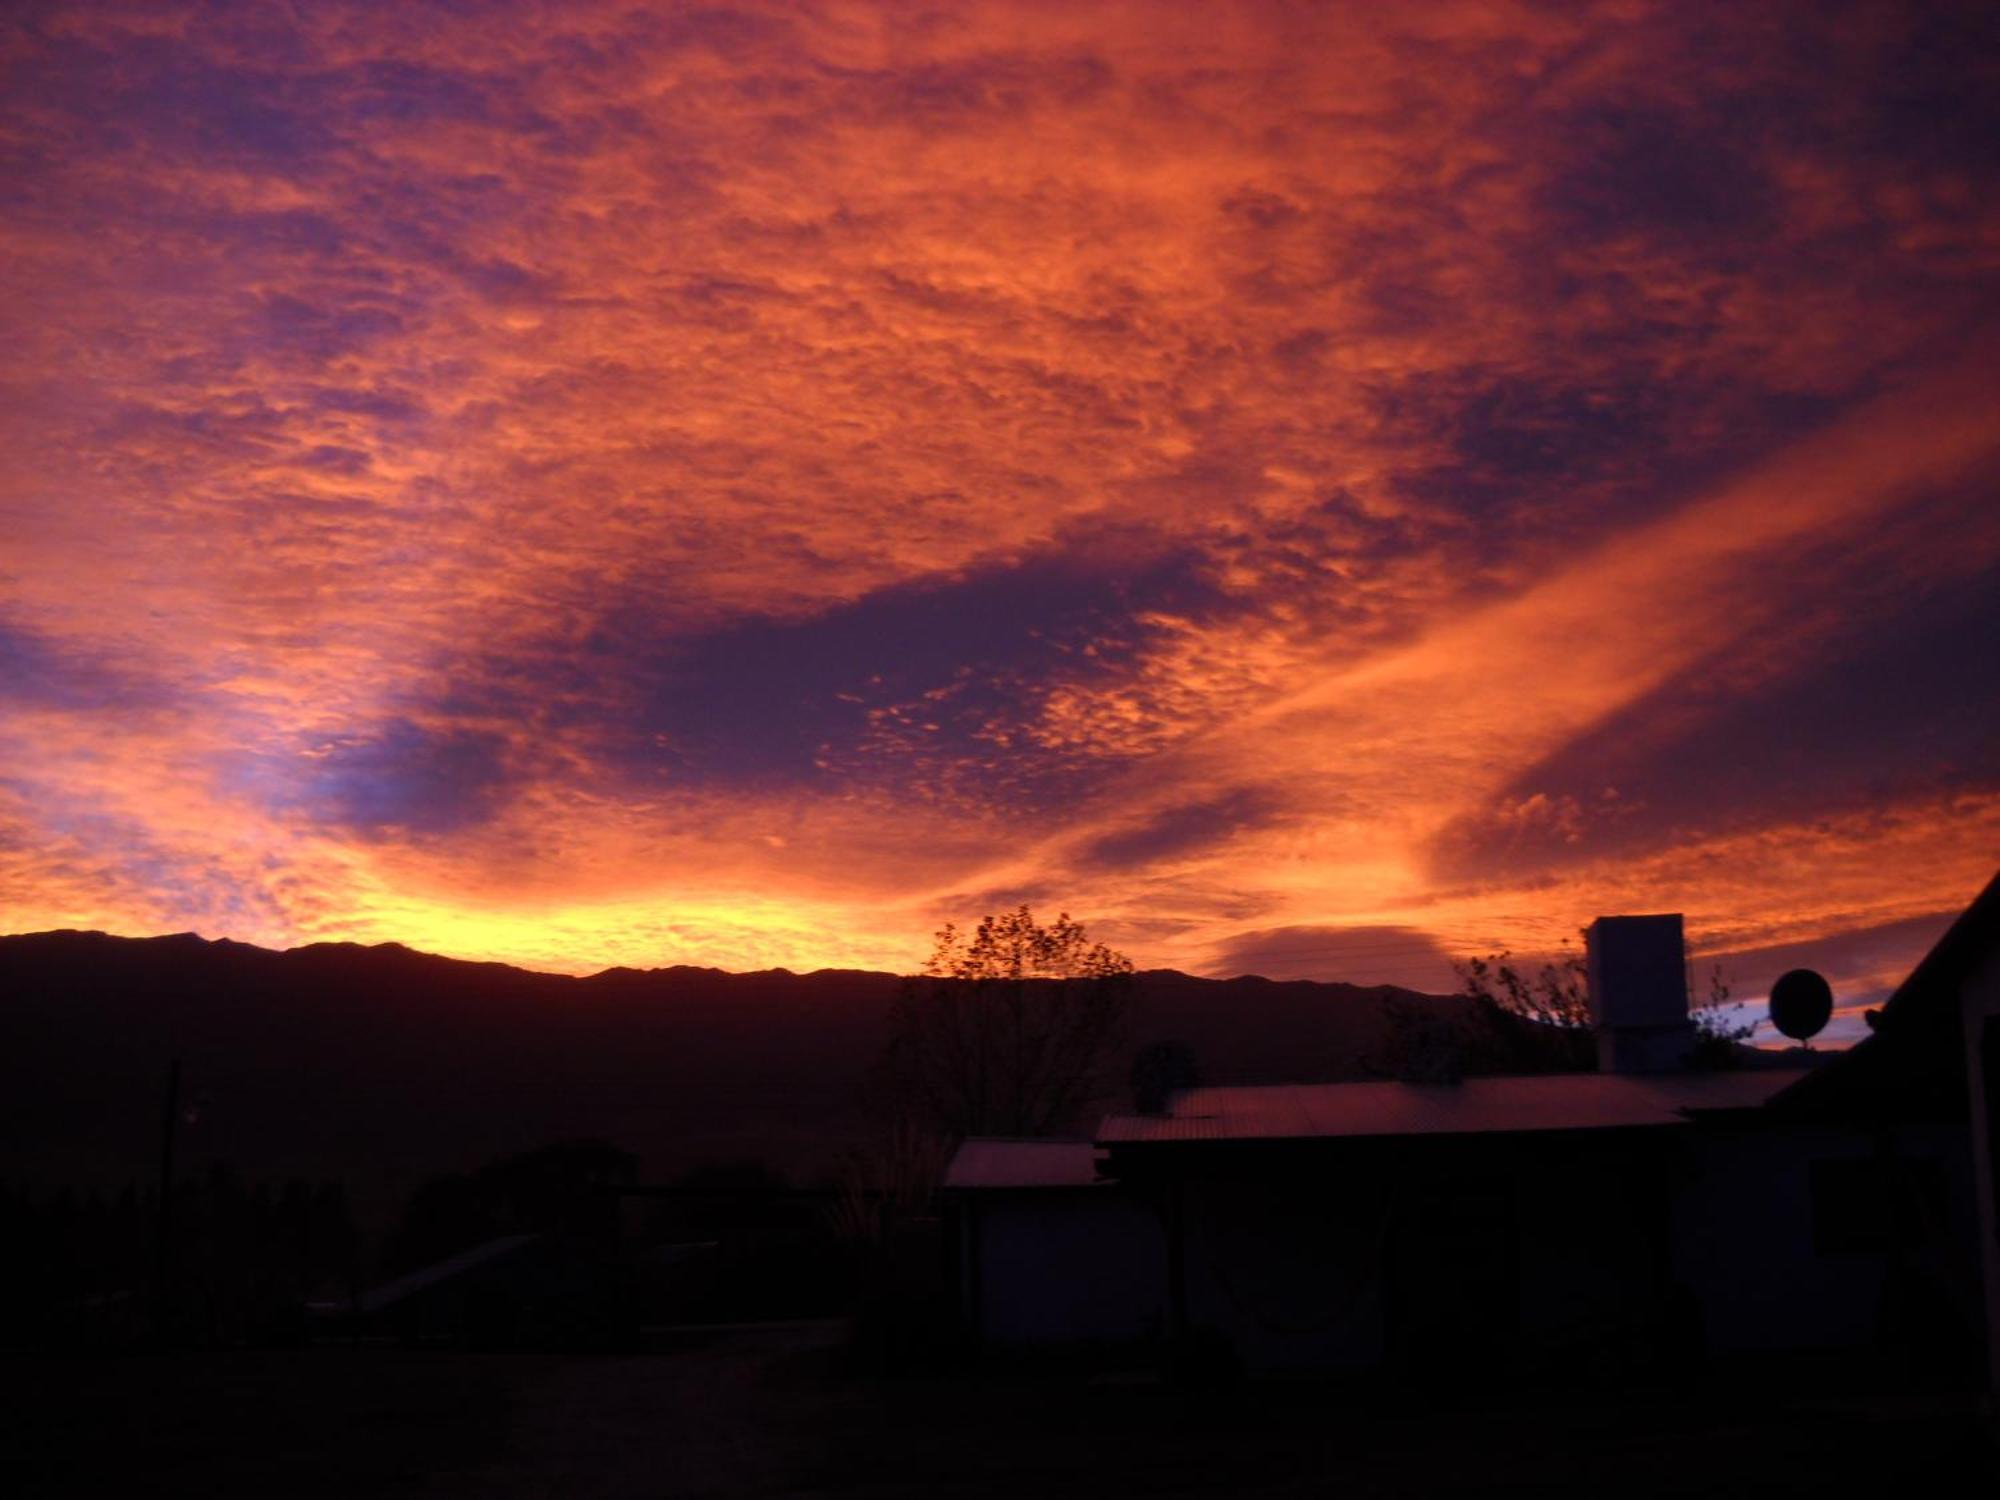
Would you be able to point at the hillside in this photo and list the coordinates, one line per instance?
(385, 1065)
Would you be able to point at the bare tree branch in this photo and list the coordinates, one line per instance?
(1007, 1032)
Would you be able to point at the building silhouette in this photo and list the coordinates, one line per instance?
(1833, 1211)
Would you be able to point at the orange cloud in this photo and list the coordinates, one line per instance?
(738, 485)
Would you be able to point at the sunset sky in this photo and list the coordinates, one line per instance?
(1310, 489)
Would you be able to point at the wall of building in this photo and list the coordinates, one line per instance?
(1288, 1268)
(1594, 1258)
(1448, 1261)
(1062, 1268)
(1459, 1260)
(1826, 1239)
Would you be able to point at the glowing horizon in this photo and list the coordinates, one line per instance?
(1307, 490)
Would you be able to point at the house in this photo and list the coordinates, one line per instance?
(1639, 1218)
(1932, 1060)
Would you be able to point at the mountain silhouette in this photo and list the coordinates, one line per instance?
(385, 1065)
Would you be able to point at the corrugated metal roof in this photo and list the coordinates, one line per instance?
(1557, 1101)
(985, 1163)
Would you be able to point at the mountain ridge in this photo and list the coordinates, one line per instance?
(394, 946)
(382, 1062)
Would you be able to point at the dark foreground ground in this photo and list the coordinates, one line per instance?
(770, 1412)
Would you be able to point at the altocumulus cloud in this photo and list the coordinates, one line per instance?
(587, 483)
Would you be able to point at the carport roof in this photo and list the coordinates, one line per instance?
(1557, 1101)
(989, 1163)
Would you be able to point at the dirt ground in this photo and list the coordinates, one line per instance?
(773, 1412)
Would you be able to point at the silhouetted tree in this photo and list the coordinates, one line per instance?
(1425, 1045)
(1523, 1020)
(876, 1189)
(1557, 994)
(1719, 1026)
(1160, 1070)
(564, 1188)
(1008, 1031)
(1555, 1001)
(1005, 1032)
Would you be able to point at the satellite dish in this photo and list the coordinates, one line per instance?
(1801, 1004)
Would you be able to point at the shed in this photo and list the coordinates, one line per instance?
(1048, 1254)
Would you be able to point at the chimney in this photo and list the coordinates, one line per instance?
(1638, 994)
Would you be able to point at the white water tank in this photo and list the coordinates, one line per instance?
(1639, 993)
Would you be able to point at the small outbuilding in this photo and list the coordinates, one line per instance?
(1049, 1254)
